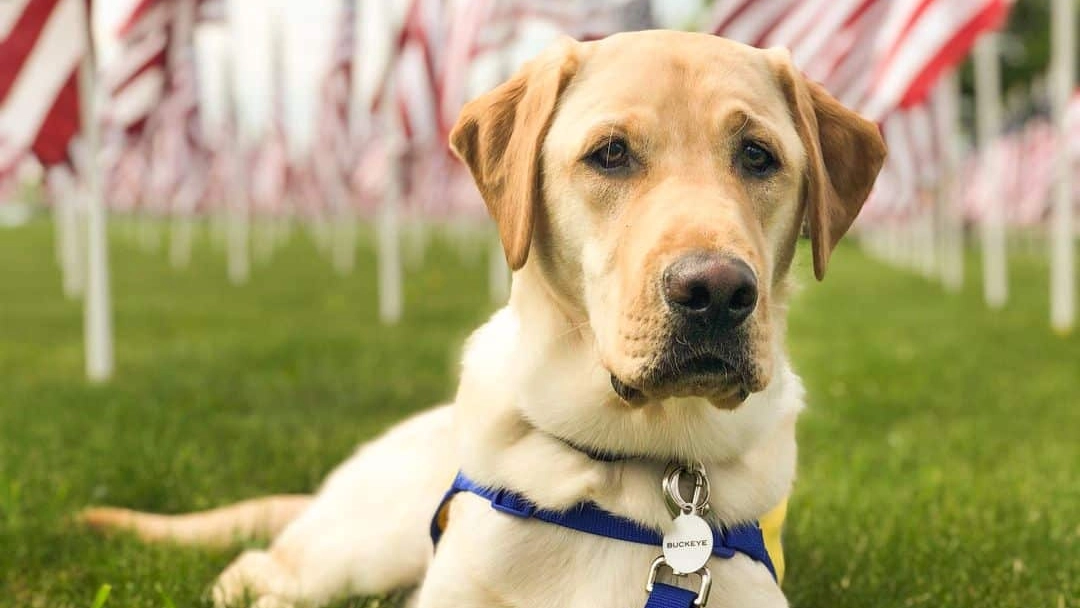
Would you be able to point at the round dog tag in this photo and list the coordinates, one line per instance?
(688, 545)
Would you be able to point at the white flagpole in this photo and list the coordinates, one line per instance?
(342, 224)
(182, 228)
(345, 242)
(69, 236)
(988, 118)
(97, 306)
(388, 221)
(181, 234)
(370, 15)
(952, 221)
(239, 258)
(237, 252)
(1062, 249)
(927, 252)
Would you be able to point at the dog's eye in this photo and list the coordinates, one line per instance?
(756, 160)
(611, 156)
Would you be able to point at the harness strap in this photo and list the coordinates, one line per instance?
(669, 596)
(591, 519)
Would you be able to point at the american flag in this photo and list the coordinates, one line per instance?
(467, 23)
(413, 84)
(41, 45)
(334, 149)
(339, 85)
(218, 164)
(1024, 169)
(873, 55)
(270, 170)
(981, 169)
(1022, 162)
(213, 69)
(367, 180)
(916, 153)
(268, 163)
(302, 188)
(919, 41)
(1028, 170)
(476, 27)
(216, 133)
(8, 184)
(180, 165)
(136, 79)
(128, 166)
(590, 20)
(135, 82)
(883, 58)
(416, 75)
(437, 48)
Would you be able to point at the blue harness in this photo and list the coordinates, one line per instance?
(591, 519)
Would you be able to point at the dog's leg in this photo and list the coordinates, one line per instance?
(366, 533)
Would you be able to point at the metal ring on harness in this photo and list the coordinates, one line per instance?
(703, 589)
(677, 504)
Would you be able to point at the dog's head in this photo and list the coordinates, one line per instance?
(656, 183)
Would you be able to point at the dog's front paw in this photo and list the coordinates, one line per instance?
(255, 580)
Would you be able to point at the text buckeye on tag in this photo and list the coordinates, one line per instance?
(688, 545)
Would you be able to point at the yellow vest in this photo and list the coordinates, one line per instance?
(772, 524)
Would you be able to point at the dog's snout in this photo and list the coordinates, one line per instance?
(712, 288)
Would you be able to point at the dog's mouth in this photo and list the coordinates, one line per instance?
(723, 381)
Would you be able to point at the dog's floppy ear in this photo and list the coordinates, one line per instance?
(844, 153)
(499, 135)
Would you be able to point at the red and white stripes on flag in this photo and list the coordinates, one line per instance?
(919, 41)
(1028, 171)
(916, 153)
(1025, 169)
(178, 176)
(41, 45)
(302, 188)
(269, 170)
(580, 20)
(417, 72)
(440, 39)
(437, 47)
(215, 128)
(135, 80)
(339, 84)
(334, 150)
(128, 166)
(467, 23)
(873, 55)
(881, 57)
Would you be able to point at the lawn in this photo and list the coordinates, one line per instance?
(940, 460)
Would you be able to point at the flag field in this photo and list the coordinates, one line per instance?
(939, 457)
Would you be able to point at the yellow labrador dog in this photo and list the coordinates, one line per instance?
(649, 189)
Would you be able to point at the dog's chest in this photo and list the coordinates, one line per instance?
(494, 559)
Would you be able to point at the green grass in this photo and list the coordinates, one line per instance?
(940, 460)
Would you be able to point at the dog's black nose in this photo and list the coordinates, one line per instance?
(711, 288)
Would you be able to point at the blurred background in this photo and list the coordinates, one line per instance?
(234, 244)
